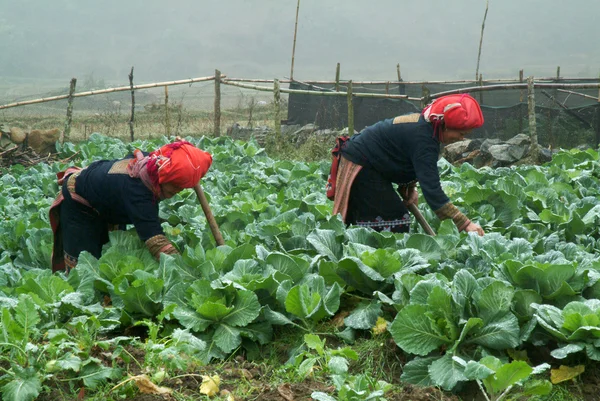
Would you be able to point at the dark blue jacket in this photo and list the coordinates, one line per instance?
(119, 198)
(401, 153)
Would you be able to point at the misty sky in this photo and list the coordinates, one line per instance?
(431, 39)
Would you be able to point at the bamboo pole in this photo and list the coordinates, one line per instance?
(109, 90)
(132, 118)
(532, 123)
(481, 37)
(67, 131)
(350, 110)
(294, 46)
(582, 94)
(375, 82)
(217, 125)
(516, 86)
(337, 78)
(319, 93)
(167, 119)
(277, 102)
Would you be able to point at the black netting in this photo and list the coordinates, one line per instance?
(563, 118)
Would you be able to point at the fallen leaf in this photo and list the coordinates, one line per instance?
(210, 385)
(227, 394)
(146, 386)
(380, 326)
(565, 373)
(285, 390)
(338, 320)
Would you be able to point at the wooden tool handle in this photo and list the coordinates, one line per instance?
(417, 213)
(214, 228)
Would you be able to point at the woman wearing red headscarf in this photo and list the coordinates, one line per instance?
(403, 151)
(111, 193)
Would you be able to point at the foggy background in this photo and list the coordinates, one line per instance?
(431, 39)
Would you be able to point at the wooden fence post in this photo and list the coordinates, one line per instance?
(598, 118)
(132, 118)
(277, 102)
(350, 110)
(425, 97)
(67, 131)
(217, 126)
(337, 78)
(532, 123)
(481, 92)
(520, 103)
(167, 122)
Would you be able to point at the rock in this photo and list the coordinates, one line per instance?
(518, 151)
(455, 151)
(43, 141)
(487, 143)
(545, 155)
(17, 135)
(501, 153)
(520, 139)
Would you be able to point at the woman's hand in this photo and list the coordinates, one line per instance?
(473, 227)
(410, 196)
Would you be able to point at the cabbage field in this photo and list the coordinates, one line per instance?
(508, 314)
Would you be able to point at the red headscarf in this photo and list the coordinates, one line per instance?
(457, 112)
(179, 163)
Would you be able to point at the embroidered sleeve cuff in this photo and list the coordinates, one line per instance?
(160, 244)
(449, 211)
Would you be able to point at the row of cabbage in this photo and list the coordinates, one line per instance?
(464, 306)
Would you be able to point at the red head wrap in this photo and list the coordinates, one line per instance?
(457, 112)
(179, 163)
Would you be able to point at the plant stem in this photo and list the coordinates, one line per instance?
(15, 346)
(482, 390)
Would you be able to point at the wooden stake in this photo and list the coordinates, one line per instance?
(217, 126)
(350, 110)
(398, 71)
(532, 122)
(337, 78)
(558, 73)
(294, 46)
(67, 131)
(277, 102)
(167, 121)
(132, 118)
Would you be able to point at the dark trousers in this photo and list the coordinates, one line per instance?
(375, 203)
(81, 227)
